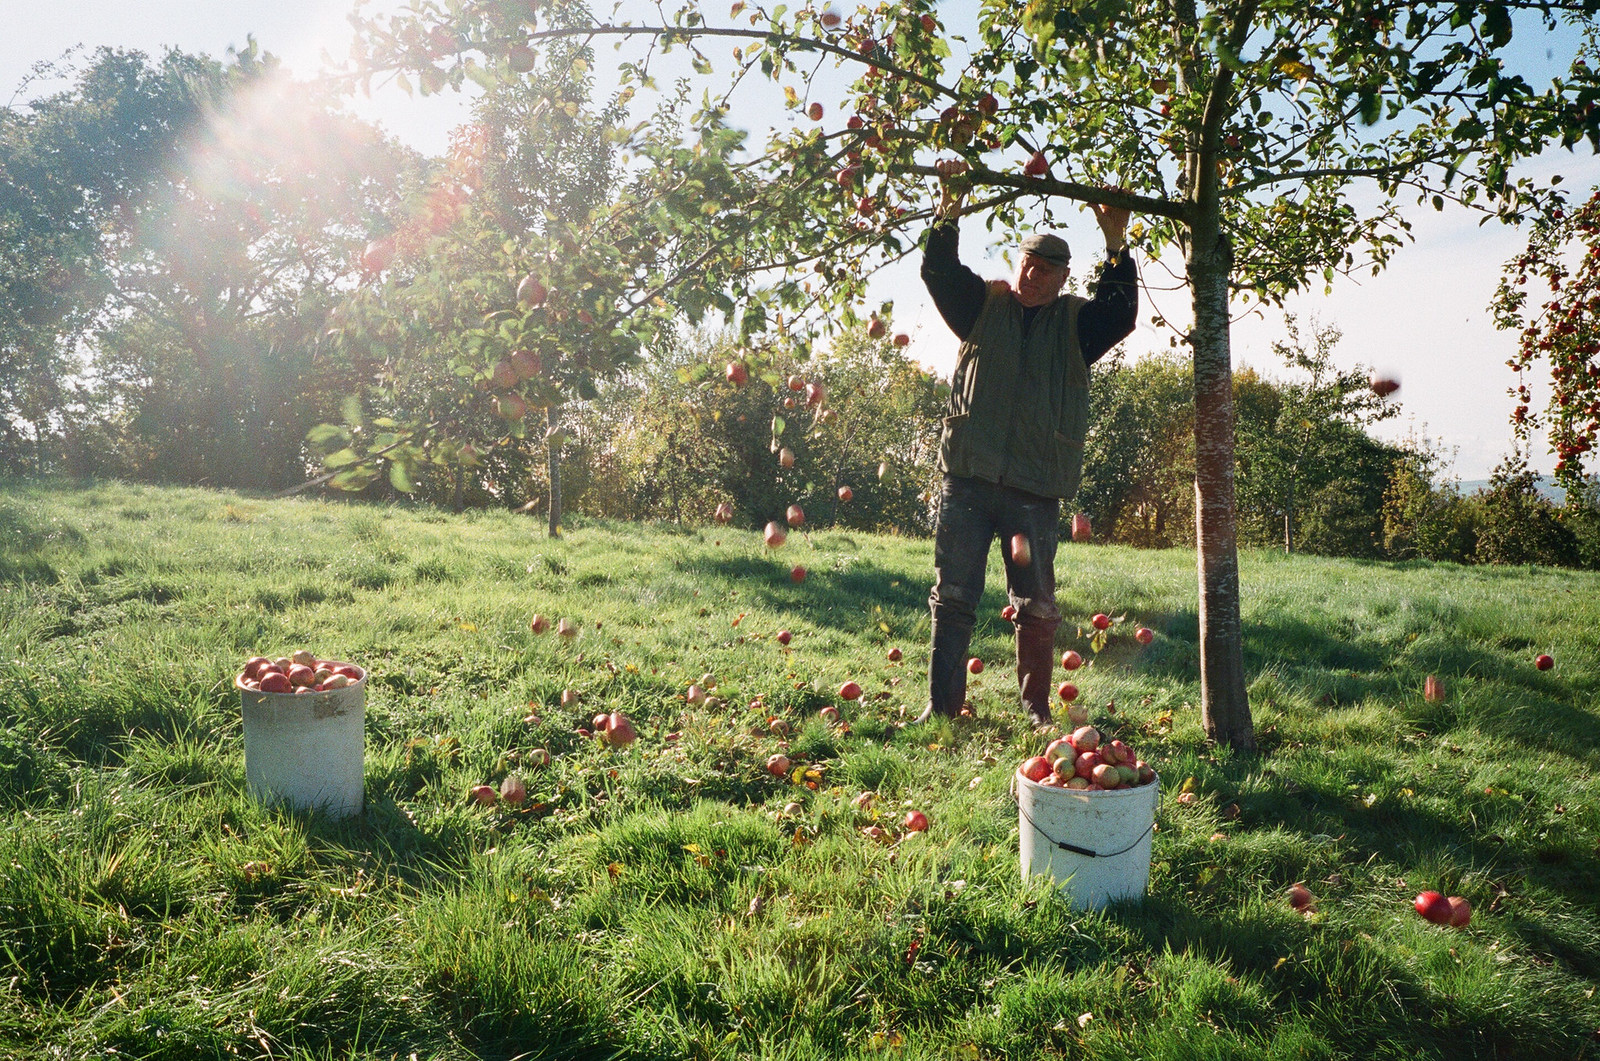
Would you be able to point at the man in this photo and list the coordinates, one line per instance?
(1012, 445)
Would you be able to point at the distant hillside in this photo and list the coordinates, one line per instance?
(1547, 487)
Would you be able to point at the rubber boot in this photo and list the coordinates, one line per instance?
(947, 669)
(1036, 649)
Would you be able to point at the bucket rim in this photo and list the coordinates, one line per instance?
(1076, 793)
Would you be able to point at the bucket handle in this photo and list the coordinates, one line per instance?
(1074, 848)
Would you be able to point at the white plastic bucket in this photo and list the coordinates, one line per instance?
(306, 750)
(1095, 844)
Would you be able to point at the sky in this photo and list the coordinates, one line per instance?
(1424, 319)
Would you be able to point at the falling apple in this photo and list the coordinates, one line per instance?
(1009, 613)
(831, 19)
(376, 258)
(1067, 691)
(724, 513)
(736, 373)
(1036, 165)
(894, 655)
(774, 535)
(902, 339)
(1433, 689)
(814, 112)
(797, 573)
(816, 394)
(876, 329)
(569, 697)
(538, 624)
(567, 628)
(975, 665)
(1383, 386)
(795, 515)
(1021, 550)
(1070, 660)
(1081, 530)
(1078, 714)
(845, 493)
(783, 637)
(786, 457)
(1460, 911)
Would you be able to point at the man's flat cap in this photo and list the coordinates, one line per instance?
(1051, 248)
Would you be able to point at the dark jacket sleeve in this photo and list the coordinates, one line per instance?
(957, 291)
(1109, 317)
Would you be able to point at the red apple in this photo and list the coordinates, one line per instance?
(796, 383)
(975, 665)
(1147, 773)
(1021, 550)
(786, 457)
(915, 822)
(724, 513)
(510, 407)
(736, 373)
(876, 329)
(845, 493)
(1036, 166)
(1009, 613)
(855, 122)
(783, 637)
(694, 696)
(1107, 776)
(814, 112)
(1118, 752)
(1101, 621)
(526, 364)
(1059, 748)
(275, 682)
(1433, 907)
(1086, 738)
(894, 655)
(774, 535)
(378, 255)
(539, 757)
(778, 765)
(829, 714)
(1383, 386)
(512, 790)
(1544, 662)
(521, 57)
(1144, 635)
(538, 624)
(1433, 689)
(1067, 691)
(902, 339)
(789, 403)
(619, 730)
(1070, 660)
(831, 20)
(530, 292)
(1035, 769)
(987, 104)
(1081, 530)
(483, 795)
(1083, 764)
(795, 515)
(797, 573)
(815, 394)
(850, 691)
(301, 675)
(1300, 897)
(1460, 911)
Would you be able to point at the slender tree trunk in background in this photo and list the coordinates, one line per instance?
(553, 448)
(1288, 523)
(1224, 704)
(460, 474)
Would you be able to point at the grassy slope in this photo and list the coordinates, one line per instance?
(615, 918)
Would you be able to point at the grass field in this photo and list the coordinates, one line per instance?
(659, 903)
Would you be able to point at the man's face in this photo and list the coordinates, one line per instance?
(1038, 282)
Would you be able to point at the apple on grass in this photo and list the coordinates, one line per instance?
(784, 637)
(1300, 897)
(619, 732)
(1144, 635)
(512, 790)
(1544, 661)
(778, 765)
(1101, 621)
(850, 691)
(915, 822)
(829, 714)
(774, 535)
(1460, 911)
(1433, 907)
(483, 795)
(894, 655)
(975, 665)
(538, 624)
(797, 574)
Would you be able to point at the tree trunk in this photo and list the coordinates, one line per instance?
(553, 448)
(1224, 704)
(1288, 523)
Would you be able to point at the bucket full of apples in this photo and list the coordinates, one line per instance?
(304, 731)
(1086, 810)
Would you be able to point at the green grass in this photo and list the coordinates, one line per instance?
(150, 909)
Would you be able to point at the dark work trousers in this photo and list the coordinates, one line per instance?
(972, 513)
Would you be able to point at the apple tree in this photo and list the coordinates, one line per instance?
(1239, 131)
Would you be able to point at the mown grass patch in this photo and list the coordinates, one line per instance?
(675, 899)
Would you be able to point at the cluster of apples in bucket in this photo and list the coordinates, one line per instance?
(1084, 760)
(301, 672)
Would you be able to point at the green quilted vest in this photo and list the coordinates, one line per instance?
(1019, 408)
